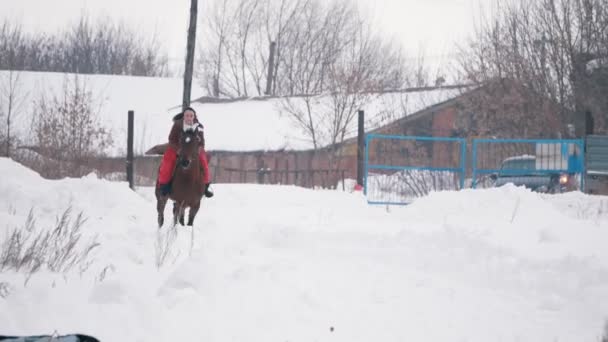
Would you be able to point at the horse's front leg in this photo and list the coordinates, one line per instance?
(160, 209)
(176, 210)
(193, 210)
(181, 216)
(178, 213)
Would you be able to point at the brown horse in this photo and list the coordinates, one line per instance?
(187, 183)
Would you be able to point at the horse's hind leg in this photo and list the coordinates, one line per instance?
(193, 210)
(160, 208)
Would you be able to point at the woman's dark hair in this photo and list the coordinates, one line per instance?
(179, 116)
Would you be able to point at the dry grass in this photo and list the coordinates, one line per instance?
(60, 248)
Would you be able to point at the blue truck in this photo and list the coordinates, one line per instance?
(529, 171)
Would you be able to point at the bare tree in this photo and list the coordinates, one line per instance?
(301, 111)
(278, 22)
(102, 46)
(12, 41)
(11, 92)
(305, 32)
(308, 62)
(544, 46)
(327, 55)
(11, 103)
(246, 21)
(419, 75)
(339, 73)
(69, 129)
(213, 58)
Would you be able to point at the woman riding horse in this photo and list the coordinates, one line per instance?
(185, 121)
(191, 176)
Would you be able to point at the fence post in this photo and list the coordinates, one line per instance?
(583, 162)
(463, 160)
(474, 165)
(366, 163)
(360, 147)
(130, 119)
(216, 169)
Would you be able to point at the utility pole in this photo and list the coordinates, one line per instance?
(190, 54)
(270, 69)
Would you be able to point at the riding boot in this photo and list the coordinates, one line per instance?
(208, 193)
(165, 189)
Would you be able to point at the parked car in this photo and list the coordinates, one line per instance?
(522, 171)
(47, 338)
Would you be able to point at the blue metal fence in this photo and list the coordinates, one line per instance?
(401, 168)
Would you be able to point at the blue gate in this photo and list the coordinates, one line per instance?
(540, 164)
(400, 168)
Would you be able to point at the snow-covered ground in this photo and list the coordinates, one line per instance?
(281, 263)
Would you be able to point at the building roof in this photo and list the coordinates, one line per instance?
(247, 124)
(256, 124)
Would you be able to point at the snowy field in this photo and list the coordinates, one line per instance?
(280, 263)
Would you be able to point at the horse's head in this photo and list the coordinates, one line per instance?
(188, 147)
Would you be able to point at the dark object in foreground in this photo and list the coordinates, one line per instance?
(49, 338)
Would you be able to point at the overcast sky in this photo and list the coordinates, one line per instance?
(434, 25)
